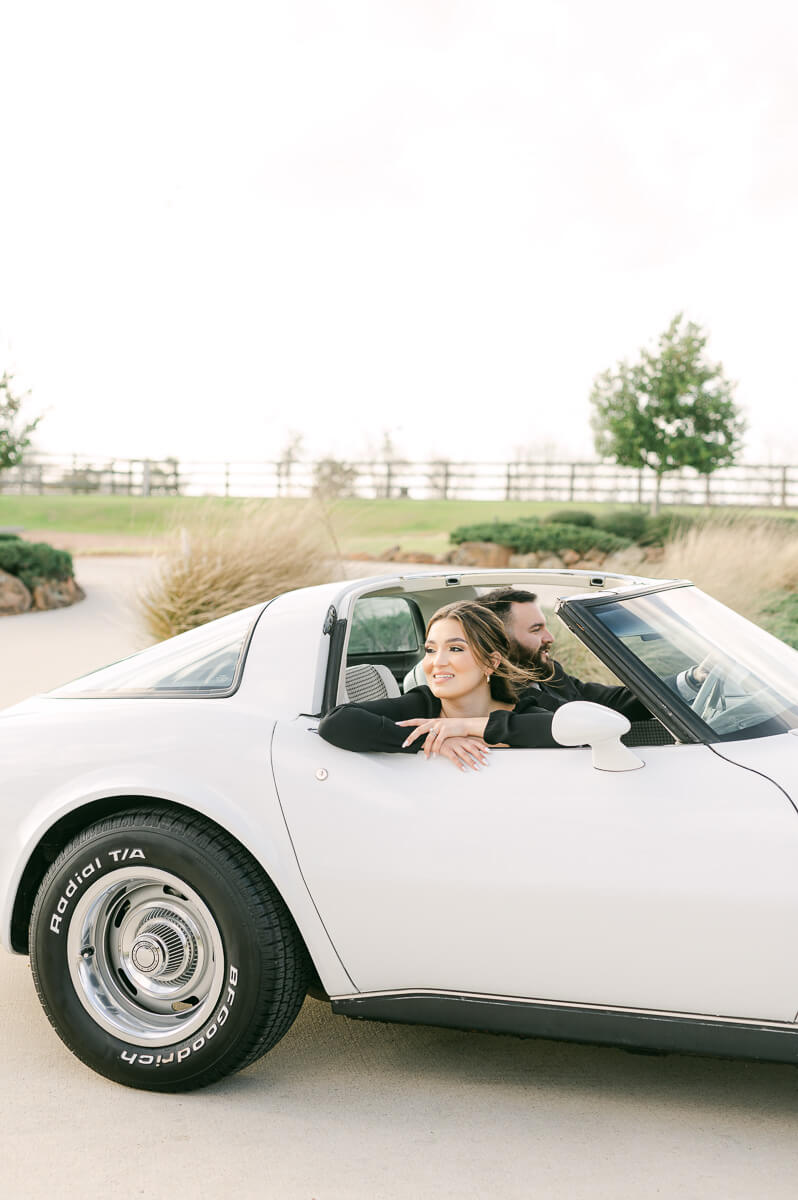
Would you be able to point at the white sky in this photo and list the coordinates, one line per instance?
(436, 218)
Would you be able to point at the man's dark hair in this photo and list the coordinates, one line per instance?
(500, 600)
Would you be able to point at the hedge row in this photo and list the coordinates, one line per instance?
(632, 523)
(34, 561)
(578, 530)
(524, 537)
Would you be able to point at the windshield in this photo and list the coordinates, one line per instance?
(739, 680)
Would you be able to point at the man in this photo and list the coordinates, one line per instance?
(530, 645)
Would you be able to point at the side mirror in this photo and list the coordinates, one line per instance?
(581, 723)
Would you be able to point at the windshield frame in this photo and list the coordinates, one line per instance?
(667, 706)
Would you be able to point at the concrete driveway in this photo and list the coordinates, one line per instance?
(343, 1110)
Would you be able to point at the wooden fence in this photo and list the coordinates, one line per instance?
(747, 484)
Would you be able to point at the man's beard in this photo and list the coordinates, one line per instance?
(538, 659)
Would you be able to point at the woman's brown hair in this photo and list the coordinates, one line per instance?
(486, 636)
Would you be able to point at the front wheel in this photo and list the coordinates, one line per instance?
(162, 954)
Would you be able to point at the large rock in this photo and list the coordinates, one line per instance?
(551, 561)
(414, 556)
(57, 593)
(481, 554)
(14, 596)
(525, 560)
(627, 561)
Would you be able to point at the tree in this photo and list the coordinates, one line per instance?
(285, 464)
(333, 480)
(14, 435)
(674, 408)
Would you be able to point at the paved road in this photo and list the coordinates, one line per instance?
(40, 650)
(342, 1110)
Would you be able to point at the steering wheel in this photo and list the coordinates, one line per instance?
(711, 695)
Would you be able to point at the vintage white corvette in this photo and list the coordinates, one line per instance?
(184, 857)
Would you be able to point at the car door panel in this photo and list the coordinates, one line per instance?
(671, 888)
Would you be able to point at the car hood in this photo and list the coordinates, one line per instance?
(774, 757)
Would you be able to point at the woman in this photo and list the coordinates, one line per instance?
(472, 699)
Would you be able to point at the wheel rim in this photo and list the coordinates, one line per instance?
(145, 956)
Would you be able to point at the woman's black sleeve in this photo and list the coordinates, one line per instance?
(527, 726)
(372, 726)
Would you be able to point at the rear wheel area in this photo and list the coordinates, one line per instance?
(163, 956)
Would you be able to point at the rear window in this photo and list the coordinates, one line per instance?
(203, 662)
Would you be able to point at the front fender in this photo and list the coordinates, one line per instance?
(211, 757)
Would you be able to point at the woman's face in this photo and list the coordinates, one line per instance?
(449, 663)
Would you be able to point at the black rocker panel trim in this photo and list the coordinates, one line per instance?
(625, 1028)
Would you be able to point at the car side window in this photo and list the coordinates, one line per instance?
(383, 625)
(204, 661)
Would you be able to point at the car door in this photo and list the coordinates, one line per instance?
(673, 887)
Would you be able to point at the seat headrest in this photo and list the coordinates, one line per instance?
(369, 681)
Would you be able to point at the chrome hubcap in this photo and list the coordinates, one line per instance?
(164, 947)
(145, 956)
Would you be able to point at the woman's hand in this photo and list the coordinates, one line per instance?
(436, 730)
(467, 753)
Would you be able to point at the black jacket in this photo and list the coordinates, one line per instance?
(564, 688)
(372, 725)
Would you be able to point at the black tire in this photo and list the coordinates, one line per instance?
(162, 954)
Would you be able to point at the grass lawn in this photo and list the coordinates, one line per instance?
(373, 526)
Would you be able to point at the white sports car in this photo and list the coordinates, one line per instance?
(184, 857)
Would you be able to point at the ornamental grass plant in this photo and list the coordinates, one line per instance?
(225, 560)
(743, 563)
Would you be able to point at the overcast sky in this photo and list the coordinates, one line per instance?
(436, 219)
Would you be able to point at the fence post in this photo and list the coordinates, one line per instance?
(784, 487)
(571, 480)
(640, 486)
(707, 494)
(145, 477)
(227, 479)
(388, 479)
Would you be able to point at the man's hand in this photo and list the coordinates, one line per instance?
(436, 730)
(696, 675)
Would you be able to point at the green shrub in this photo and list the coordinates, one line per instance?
(7, 537)
(527, 538)
(664, 528)
(625, 522)
(487, 531)
(34, 561)
(567, 516)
